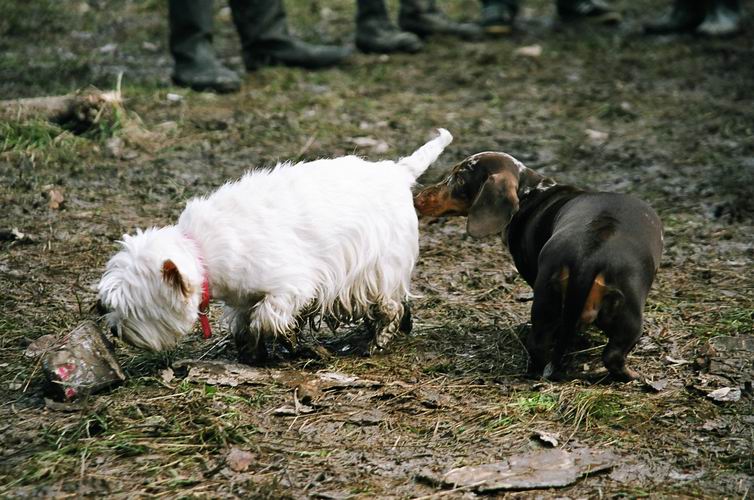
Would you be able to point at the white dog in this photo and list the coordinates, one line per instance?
(335, 237)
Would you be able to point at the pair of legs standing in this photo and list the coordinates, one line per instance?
(704, 17)
(265, 39)
(499, 16)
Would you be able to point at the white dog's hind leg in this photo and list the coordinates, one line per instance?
(389, 319)
(249, 343)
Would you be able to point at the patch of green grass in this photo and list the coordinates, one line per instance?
(441, 368)
(109, 124)
(502, 421)
(536, 402)
(589, 408)
(35, 136)
(210, 418)
(33, 18)
(731, 321)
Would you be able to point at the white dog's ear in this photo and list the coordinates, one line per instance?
(172, 277)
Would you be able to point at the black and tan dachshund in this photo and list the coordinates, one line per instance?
(591, 257)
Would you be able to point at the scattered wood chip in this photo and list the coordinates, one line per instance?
(533, 51)
(42, 345)
(154, 421)
(216, 372)
(554, 468)
(335, 380)
(713, 425)
(64, 407)
(114, 146)
(725, 394)
(676, 361)
(367, 417)
(333, 495)
(596, 137)
(293, 411)
(376, 145)
(551, 439)
(431, 398)
(239, 460)
(167, 375)
(730, 357)
(308, 392)
(220, 373)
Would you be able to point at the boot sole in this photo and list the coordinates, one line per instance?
(204, 87)
(608, 18)
(391, 50)
(274, 61)
(498, 30)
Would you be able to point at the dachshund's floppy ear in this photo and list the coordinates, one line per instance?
(494, 206)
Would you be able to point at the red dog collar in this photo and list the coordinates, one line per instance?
(206, 296)
(204, 308)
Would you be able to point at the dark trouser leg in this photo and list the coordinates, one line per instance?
(424, 18)
(498, 16)
(375, 32)
(597, 11)
(723, 19)
(263, 28)
(684, 16)
(196, 65)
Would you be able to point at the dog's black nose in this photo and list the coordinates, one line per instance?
(114, 331)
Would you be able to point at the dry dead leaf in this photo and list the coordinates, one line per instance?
(55, 198)
(725, 394)
(596, 136)
(529, 51)
(656, 385)
(239, 460)
(167, 375)
(367, 417)
(551, 439)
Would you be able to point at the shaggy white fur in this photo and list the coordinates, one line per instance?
(337, 237)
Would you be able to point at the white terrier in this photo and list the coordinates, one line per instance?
(335, 237)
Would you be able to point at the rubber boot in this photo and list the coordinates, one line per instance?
(375, 32)
(684, 16)
(424, 18)
(722, 19)
(196, 64)
(498, 17)
(596, 11)
(265, 39)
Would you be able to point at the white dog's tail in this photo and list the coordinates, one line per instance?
(423, 157)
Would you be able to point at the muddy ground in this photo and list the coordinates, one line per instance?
(674, 118)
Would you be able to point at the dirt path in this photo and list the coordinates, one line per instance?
(675, 123)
